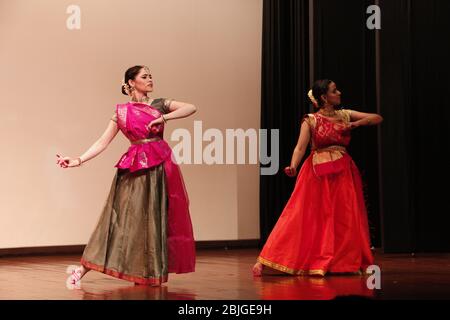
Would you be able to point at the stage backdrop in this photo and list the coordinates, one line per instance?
(59, 88)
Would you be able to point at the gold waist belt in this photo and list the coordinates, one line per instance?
(331, 148)
(328, 154)
(142, 141)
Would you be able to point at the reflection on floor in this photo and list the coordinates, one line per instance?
(226, 274)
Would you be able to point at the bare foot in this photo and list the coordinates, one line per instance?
(257, 269)
(84, 270)
(73, 281)
(76, 273)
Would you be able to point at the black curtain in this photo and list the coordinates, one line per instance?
(415, 69)
(344, 51)
(285, 82)
(404, 164)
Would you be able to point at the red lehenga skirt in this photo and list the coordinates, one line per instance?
(324, 226)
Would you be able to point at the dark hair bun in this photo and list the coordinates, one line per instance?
(130, 74)
(319, 88)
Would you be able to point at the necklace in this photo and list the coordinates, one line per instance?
(144, 99)
(327, 114)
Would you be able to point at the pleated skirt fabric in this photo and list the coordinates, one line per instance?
(130, 239)
(323, 227)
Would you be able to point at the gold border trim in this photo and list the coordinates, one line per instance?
(285, 269)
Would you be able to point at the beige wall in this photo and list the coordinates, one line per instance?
(59, 88)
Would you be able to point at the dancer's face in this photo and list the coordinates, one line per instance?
(333, 95)
(143, 81)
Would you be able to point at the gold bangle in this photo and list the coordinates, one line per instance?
(79, 162)
(164, 119)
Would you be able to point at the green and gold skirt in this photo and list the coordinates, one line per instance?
(130, 239)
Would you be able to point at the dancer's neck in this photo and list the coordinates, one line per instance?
(328, 111)
(140, 98)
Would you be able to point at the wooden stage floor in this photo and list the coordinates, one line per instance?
(226, 274)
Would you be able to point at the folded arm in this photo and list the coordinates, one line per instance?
(365, 119)
(179, 109)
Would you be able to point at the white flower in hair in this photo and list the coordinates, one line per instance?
(311, 97)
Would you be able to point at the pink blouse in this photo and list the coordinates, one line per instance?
(148, 148)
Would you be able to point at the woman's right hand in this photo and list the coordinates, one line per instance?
(67, 162)
(290, 171)
(155, 126)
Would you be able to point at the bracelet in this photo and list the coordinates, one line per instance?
(79, 162)
(164, 119)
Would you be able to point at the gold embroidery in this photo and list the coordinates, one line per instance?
(122, 114)
(138, 109)
(327, 154)
(285, 269)
(342, 115)
(143, 159)
(345, 114)
(311, 121)
(167, 103)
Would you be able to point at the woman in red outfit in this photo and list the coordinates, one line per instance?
(323, 228)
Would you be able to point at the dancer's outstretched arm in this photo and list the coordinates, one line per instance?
(299, 150)
(98, 147)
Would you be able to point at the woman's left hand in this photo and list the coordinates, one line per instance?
(152, 125)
